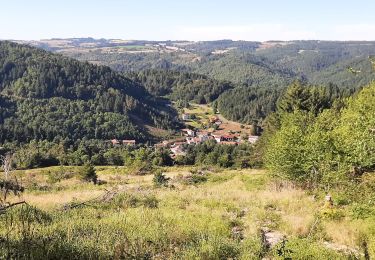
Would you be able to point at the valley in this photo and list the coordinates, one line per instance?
(114, 149)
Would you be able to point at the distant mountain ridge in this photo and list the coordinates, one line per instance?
(257, 72)
(272, 63)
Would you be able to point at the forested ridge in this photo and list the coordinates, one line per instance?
(243, 84)
(48, 96)
(245, 78)
(181, 86)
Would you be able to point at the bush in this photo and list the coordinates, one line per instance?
(194, 179)
(331, 214)
(160, 179)
(61, 174)
(362, 211)
(127, 200)
(88, 173)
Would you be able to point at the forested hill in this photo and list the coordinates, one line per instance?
(244, 78)
(272, 64)
(48, 96)
(181, 86)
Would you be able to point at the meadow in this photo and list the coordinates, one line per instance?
(198, 214)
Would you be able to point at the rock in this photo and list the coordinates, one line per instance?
(271, 238)
(343, 249)
(237, 232)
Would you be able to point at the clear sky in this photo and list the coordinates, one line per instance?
(188, 19)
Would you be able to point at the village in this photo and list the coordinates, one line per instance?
(201, 125)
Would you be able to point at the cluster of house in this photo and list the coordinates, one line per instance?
(177, 147)
(193, 137)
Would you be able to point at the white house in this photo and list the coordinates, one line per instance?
(186, 116)
(253, 139)
(203, 136)
(188, 132)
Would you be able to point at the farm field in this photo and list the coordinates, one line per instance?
(203, 114)
(197, 214)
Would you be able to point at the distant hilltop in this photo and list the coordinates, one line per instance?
(69, 45)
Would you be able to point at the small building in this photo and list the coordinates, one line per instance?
(190, 140)
(188, 132)
(129, 142)
(217, 138)
(186, 116)
(229, 138)
(225, 138)
(228, 143)
(115, 142)
(203, 136)
(159, 145)
(178, 150)
(253, 139)
(178, 143)
(193, 140)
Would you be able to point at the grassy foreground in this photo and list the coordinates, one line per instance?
(222, 215)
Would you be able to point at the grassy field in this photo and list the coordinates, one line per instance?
(218, 214)
(204, 113)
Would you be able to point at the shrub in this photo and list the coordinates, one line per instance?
(331, 214)
(303, 249)
(362, 211)
(126, 200)
(160, 179)
(88, 173)
(61, 174)
(194, 179)
(150, 201)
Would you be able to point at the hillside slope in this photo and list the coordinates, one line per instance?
(48, 96)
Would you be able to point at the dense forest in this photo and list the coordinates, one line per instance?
(46, 96)
(244, 82)
(181, 86)
(245, 78)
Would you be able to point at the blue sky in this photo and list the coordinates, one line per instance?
(188, 19)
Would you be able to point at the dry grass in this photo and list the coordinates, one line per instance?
(345, 232)
(57, 199)
(248, 199)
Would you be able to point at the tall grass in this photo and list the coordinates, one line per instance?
(219, 218)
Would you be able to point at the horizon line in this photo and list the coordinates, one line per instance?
(176, 40)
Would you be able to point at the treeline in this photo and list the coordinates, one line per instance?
(96, 152)
(321, 142)
(181, 85)
(47, 96)
(138, 160)
(214, 154)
